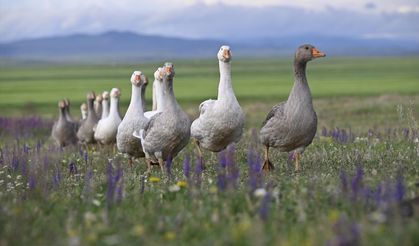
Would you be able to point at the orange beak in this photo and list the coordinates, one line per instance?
(317, 53)
(168, 69)
(226, 54)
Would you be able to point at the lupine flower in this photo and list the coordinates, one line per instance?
(57, 176)
(346, 233)
(15, 162)
(32, 182)
(264, 207)
(72, 168)
(186, 166)
(399, 189)
(344, 181)
(86, 157)
(356, 183)
(198, 170)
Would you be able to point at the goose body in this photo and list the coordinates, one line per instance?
(167, 132)
(85, 134)
(63, 131)
(291, 126)
(220, 121)
(106, 129)
(134, 119)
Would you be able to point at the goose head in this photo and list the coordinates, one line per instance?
(224, 54)
(105, 95)
(307, 52)
(158, 74)
(138, 78)
(168, 70)
(66, 102)
(91, 96)
(83, 110)
(115, 93)
(61, 104)
(99, 98)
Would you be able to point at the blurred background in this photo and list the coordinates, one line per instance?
(54, 49)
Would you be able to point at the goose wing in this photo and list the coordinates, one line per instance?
(276, 110)
(205, 105)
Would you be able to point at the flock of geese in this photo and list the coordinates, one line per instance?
(160, 134)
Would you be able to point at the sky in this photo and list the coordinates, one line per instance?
(215, 19)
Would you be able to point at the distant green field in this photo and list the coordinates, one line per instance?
(36, 89)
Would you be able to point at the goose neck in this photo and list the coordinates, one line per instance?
(225, 88)
(114, 106)
(300, 95)
(105, 108)
(168, 95)
(143, 103)
(136, 103)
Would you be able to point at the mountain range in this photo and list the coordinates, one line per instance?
(114, 46)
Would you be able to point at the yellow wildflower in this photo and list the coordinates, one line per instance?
(154, 179)
(138, 230)
(170, 235)
(182, 184)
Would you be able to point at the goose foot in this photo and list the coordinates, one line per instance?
(268, 166)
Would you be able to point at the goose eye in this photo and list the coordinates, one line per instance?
(306, 47)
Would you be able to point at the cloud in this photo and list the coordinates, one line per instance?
(217, 19)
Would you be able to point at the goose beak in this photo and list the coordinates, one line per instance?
(169, 70)
(226, 54)
(317, 53)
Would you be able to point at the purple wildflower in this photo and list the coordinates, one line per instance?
(254, 161)
(57, 176)
(72, 168)
(222, 158)
(15, 162)
(87, 181)
(346, 233)
(356, 183)
(86, 157)
(324, 132)
(221, 181)
(187, 166)
(32, 182)
(344, 181)
(264, 207)
(399, 189)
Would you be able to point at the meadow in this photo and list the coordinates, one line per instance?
(359, 183)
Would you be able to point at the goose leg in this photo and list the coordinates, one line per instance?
(201, 159)
(297, 162)
(130, 162)
(267, 165)
(148, 166)
(161, 164)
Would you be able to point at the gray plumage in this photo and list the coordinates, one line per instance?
(167, 132)
(291, 125)
(134, 119)
(221, 121)
(85, 134)
(63, 131)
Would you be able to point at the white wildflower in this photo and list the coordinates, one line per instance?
(174, 188)
(260, 192)
(96, 202)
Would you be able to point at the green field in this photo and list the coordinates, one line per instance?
(359, 183)
(36, 89)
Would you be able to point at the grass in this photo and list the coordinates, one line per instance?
(36, 89)
(359, 175)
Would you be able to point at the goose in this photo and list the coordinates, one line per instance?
(291, 125)
(85, 132)
(63, 131)
(106, 129)
(98, 105)
(157, 95)
(67, 110)
(167, 132)
(105, 105)
(83, 111)
(220, 121)
(133, 120)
